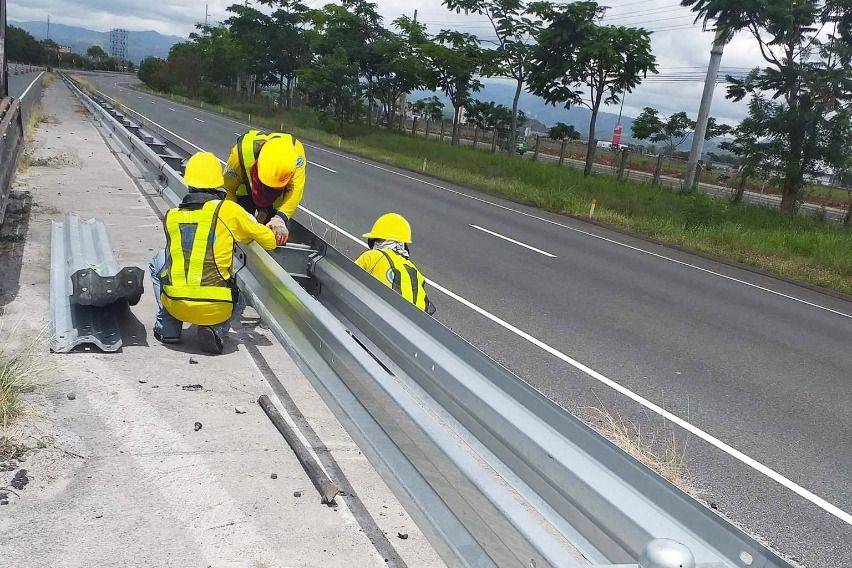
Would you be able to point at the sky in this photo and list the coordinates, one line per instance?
(681, 47)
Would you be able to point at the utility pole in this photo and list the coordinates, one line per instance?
(206, 14)
(704, 110)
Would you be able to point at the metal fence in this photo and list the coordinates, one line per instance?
(717, 179)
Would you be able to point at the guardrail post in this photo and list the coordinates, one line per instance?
(656, 179)
(443, 125)
(622, 164)
(414, 126)
(427, 129)
(475, 135)
(535, 150)
(494, 140)
(562, 151)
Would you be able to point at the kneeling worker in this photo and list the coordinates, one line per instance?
(388, 260)
(265, 174)
(192, 277)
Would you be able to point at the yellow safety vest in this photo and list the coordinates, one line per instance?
(191, 272)
(406, 280)
(248, 149)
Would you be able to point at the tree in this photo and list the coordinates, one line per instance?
(23, 48)
(287, 43)
(804, 92)
(457, 61)
(400, 68)
(562, 131)
(673, 131)
(575, 54)
(491, 115)
(514, 27)
(430, 108)
(96, 53)
(750, 144)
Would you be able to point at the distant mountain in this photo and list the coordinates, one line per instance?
(139, 44)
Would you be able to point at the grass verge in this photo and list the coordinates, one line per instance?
(20, 368)
(801, 247)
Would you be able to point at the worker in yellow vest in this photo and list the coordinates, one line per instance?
(388, 260)
(192, 278)
(265, 174)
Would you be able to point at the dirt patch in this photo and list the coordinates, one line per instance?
(55, 161)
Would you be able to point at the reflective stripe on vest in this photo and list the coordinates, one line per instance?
(191, 272)
(405, 279)
(248, 151)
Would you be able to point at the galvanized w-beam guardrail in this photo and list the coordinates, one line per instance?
(13, 117)
(493, 472)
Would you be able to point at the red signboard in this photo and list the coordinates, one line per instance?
(616, 135)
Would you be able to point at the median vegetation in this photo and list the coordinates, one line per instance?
(801, 247)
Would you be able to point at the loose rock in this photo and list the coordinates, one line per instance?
(197, 426)
(193, 361)
(192, 387)
(297, 493)
(71, 396)
(239, 410)
(402, 535)
(142, 381)
(273, 476)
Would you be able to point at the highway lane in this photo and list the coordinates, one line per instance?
(17, 83)
(765, 373)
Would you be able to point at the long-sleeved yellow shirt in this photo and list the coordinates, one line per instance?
(234, 224)
(236, 183)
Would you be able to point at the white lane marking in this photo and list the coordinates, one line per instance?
(322, 166)
(196, 118)
(710, 439)
(519, 243)
(587, 233)
(171, 109)
(199, 120)
(153, 102)
(30, 86)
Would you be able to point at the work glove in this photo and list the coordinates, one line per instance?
(279, 227)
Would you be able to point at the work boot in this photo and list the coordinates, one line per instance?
(159, 337)
(210, 340)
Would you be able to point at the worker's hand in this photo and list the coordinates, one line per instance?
(279, 227)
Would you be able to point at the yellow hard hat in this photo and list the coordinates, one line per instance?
(276, 162)
(390, 227)
(203, 171)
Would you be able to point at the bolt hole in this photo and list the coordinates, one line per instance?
(746, 558)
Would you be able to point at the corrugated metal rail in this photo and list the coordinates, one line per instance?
(493, 472)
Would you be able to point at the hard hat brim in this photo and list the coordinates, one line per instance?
(385, 238)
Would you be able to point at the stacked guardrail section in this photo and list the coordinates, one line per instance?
(493, 472)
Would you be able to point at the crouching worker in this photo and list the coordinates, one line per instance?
(192, 277)
(388, 260)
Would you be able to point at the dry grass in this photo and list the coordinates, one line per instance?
(21, 366)
(664, 454)
(84, 84)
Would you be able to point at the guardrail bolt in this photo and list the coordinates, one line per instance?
(666, 553)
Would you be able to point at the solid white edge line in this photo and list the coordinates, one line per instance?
(692, 429)
(30, 86)
(583, 232)
(196, 118)
(712, 440)
(519, 243)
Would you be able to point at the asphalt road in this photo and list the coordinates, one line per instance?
(17, 83)
(759, 368)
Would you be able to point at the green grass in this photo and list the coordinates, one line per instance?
(801, 247)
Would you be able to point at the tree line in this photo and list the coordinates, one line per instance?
(22, 47)
(346, 62)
